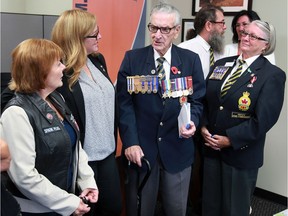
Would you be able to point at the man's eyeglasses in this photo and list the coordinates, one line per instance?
(163, 30)
(251, 36)
(95, 35)
(220, 22)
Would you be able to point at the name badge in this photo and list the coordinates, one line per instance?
(229, 64)
(219, 72)
(240, 115)
(51, 129)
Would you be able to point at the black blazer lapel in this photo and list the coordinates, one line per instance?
(175, 62)
(224, 78)
(78, 95)
(100, 63)
(245, 78)
(151, 67)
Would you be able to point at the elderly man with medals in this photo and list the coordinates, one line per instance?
(153, 85)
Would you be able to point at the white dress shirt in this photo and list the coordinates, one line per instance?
(201, 47)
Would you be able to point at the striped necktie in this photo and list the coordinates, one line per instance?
(233, 78)
(211, 57)
(160, 68)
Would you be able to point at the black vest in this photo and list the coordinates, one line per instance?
(52, 142)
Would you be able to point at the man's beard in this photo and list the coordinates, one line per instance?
(217, 42)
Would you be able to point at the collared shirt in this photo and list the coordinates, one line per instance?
(245, 66)
(166, 63)
(201, 47)
(232, 50)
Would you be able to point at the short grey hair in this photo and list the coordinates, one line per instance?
(270, 35)
(169, 9)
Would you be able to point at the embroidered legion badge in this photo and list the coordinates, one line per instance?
(244, 102)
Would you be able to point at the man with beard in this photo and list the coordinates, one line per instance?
(209, 45)
(210, 28)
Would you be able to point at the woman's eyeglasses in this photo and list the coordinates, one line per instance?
(251, 36)
(95, 35)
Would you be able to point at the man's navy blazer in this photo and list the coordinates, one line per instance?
(245, 118)
(149, 120)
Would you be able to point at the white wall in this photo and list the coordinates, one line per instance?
(273, 175)
(43, 7)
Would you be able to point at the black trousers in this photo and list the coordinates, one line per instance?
(108, 181)
(9, 205)
(227, 190)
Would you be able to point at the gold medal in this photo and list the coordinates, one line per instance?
(137, 84)
(155, 84)
(143, 84)
(149, 84)
(185, 92)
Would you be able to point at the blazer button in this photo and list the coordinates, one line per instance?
(161, 123)
(159, 139)
(221, 108)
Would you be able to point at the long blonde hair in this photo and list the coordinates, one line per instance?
(69, 33)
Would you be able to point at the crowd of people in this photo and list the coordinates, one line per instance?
(61, 114)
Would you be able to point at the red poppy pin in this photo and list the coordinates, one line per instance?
(175, 70)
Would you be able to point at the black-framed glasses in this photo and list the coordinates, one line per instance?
(218, 22)
(163, 30)
(95, 35)
(251, 36)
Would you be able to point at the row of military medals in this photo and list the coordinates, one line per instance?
(174, 88)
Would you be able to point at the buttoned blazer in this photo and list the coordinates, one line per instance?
(149, 120)
(75, 99)
(245, 118)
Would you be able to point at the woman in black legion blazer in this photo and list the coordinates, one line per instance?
(241, 108)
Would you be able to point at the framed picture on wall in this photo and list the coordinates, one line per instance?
(187, 24)
(230, 7)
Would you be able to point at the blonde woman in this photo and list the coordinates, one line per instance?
(90, 95)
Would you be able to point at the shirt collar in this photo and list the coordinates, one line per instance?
(250, 60)
(204, 43)
(167, 55)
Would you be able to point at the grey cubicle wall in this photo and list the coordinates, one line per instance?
(16, 28)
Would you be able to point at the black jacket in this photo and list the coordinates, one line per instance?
(247, 112)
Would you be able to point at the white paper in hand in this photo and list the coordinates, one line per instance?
(184, 116)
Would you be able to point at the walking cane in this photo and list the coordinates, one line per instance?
(142, 184)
